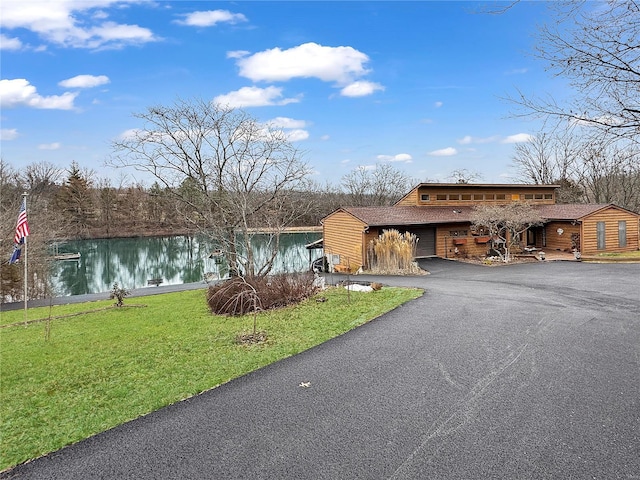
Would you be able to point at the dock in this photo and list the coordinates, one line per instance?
(67, 256)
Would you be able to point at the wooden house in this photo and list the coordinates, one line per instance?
(440, 214)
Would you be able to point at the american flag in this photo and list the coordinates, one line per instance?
(22, 229)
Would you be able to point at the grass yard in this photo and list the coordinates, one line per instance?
(102, 368)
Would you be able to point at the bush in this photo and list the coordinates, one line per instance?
(242, 295)
(393, 253)
(118, 293)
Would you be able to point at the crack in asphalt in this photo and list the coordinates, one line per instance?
(463, 411)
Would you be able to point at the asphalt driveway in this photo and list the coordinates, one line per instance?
(515, 372)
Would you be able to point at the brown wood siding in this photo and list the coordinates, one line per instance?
(555, 241)
(410, 199)
(489, 195)
(446, 248)
(343, 236)
(611, 216)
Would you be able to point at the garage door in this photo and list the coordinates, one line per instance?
(426, 241)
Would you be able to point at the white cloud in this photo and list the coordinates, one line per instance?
(119, 33)
(518, 138)
(444, 152)
(7, 134)
(84, 81)
(438, 104)
(468, 139)
(292, 129)
(19, 92)
(72, 23)
(329, 64)
(129, 134)
(210, 18)
(7, 43)
(49, 146)
(238, 53)
(285, 122)
(360, 88)
(254, 97)
(297, 135)
(400, 157)
(325, 137)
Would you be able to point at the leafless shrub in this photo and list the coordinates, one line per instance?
(242, 295)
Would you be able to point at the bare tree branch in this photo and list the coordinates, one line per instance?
(231, 173)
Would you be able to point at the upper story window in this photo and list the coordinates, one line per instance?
(548, 196)
(441, 197)
(466, 196)
(500, 196)
(425, 197)
(528, 196)
(478, 196)
(538, 196)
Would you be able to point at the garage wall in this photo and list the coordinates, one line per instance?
(343, 235)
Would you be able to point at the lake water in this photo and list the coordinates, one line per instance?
(132, 262)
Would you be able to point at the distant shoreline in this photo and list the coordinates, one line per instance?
(156, 233)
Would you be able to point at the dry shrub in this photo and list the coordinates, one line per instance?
(393, 252)
(242, 295)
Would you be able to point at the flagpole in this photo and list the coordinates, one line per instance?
(26, 290)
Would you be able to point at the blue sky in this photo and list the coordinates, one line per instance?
(418, 84)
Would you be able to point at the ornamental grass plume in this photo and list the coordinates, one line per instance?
(393, 253)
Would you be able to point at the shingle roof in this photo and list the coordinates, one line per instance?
(568, 211)
(409, 215)
(414, 215)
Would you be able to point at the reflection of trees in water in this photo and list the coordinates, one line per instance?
(179, 259)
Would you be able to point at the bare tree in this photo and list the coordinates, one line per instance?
(505, 224)
(594, 46)
(41, 181)
(231, 174)
(546, 159)
(587, 168)
(44, 225)
(382, 185)
(609, 173)
(462, 175)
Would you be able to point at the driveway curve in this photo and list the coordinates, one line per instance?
(527, 371)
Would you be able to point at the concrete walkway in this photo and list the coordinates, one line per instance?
(527, 371)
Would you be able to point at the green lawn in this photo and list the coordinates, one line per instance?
(102, 368)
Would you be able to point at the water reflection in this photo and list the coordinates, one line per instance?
(132, 262)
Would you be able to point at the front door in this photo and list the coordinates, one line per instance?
(531, 237)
